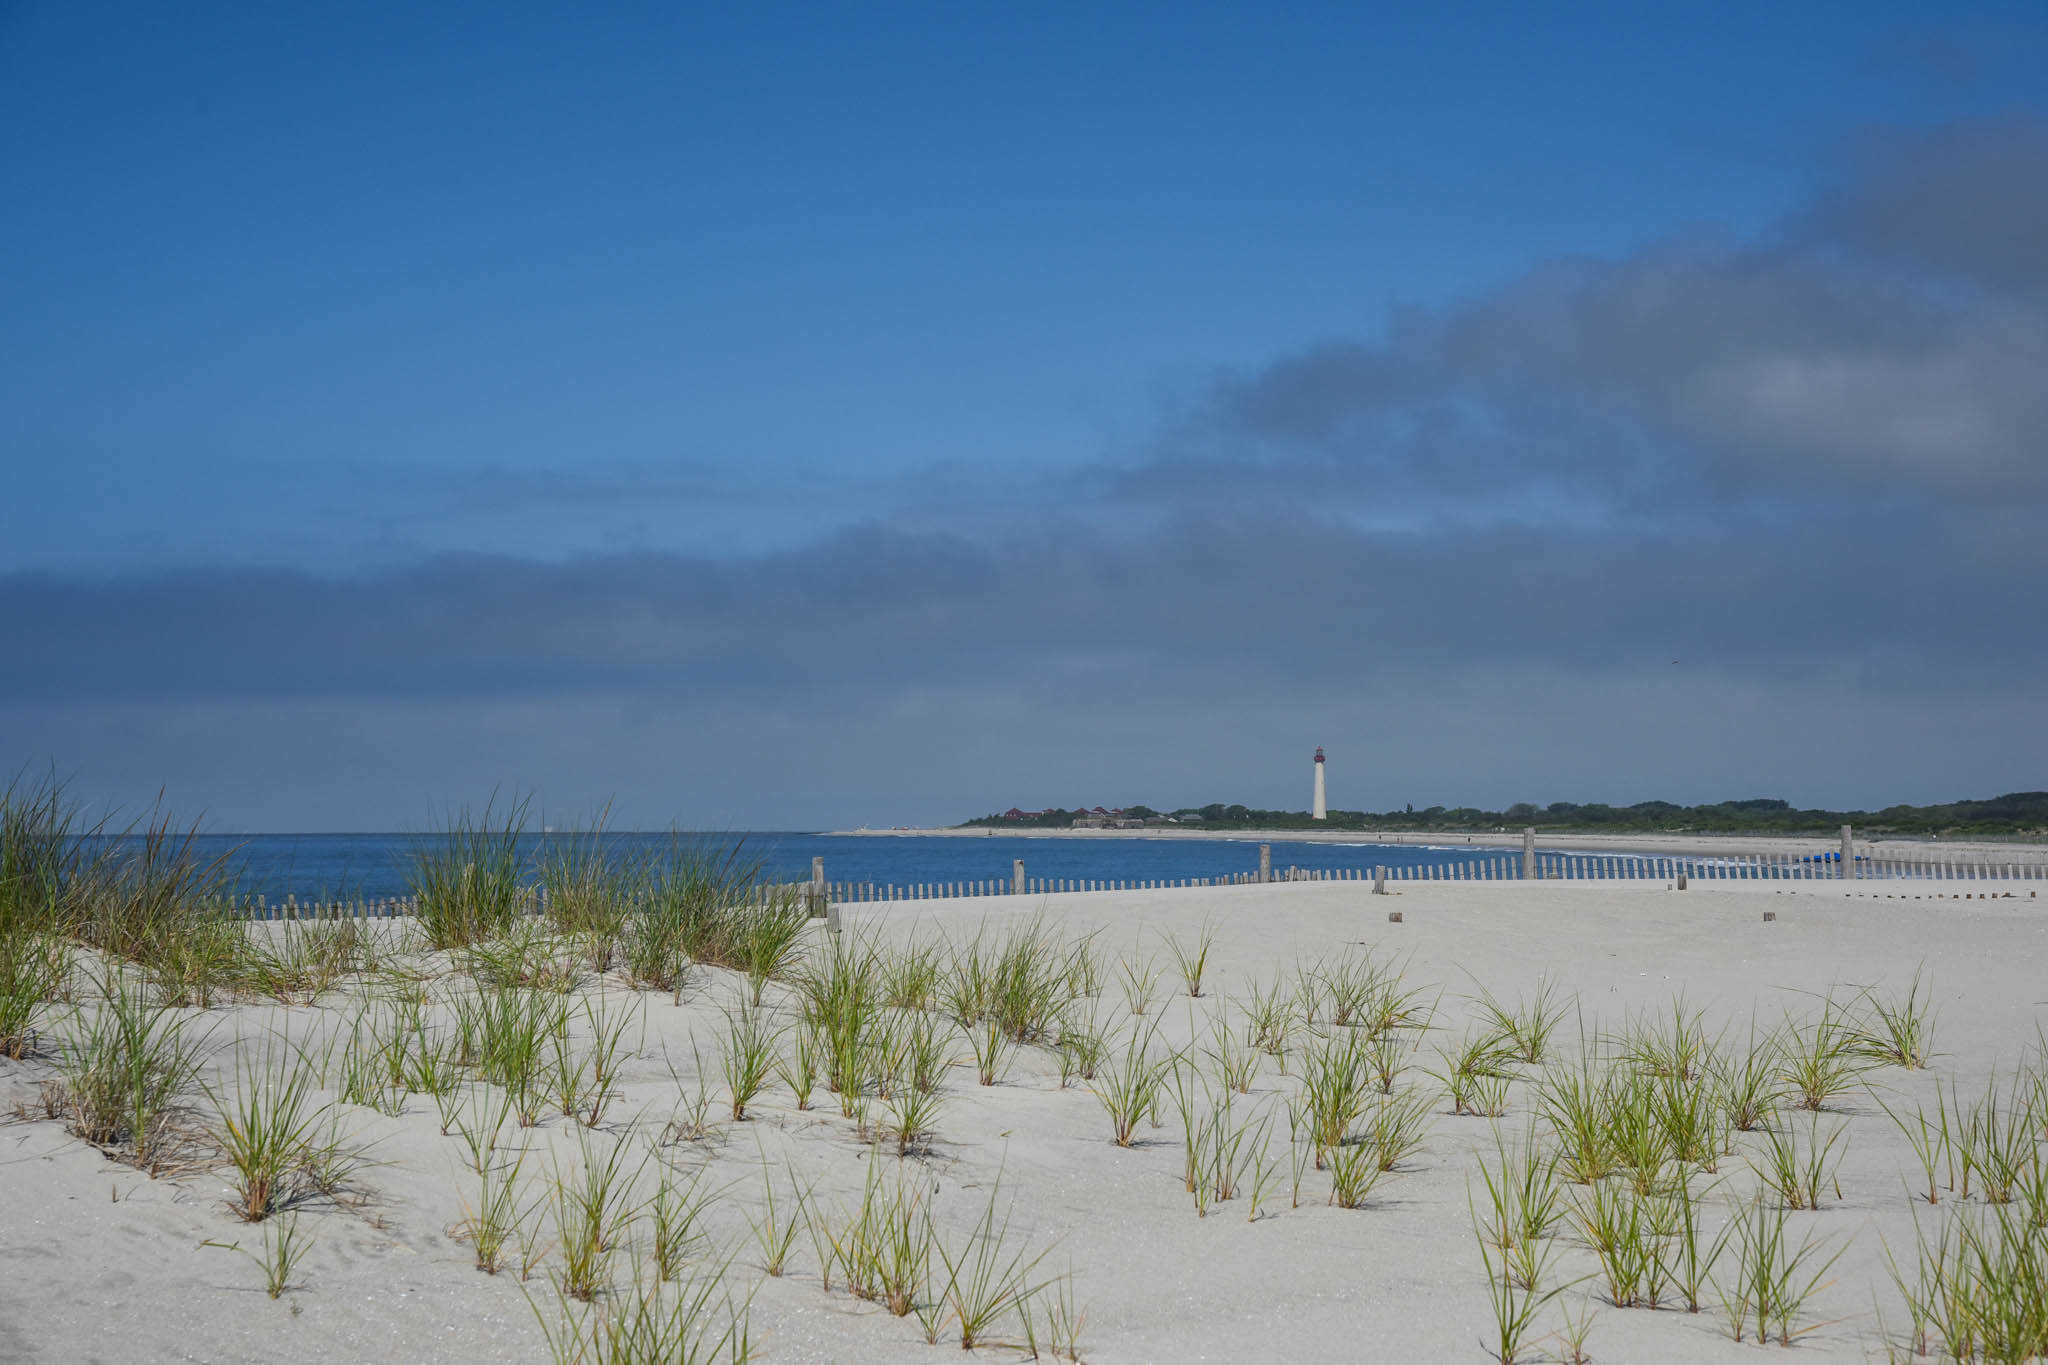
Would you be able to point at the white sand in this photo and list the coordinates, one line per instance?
(100, 1262)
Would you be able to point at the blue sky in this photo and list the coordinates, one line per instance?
(824, 415)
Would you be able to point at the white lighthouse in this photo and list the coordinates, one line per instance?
(1321, 810)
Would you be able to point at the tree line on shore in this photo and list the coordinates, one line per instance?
(2013, 813)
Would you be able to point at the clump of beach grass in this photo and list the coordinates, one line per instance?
(1516, 1294)
(283, 1250)
(884, 1252)
(990, 1278)
(913, 1111)
(1981, 1287)
(911, 978)
(1526, 1029)
(35, 968)
(1821, 1062)
(1773, 1280)
(1137, 979)
(1022, 980)
(1524, 1201)
(1334, 1088)
(593, 1203)
(1752, 1082)
(588, 881)
(990, 1043)
(692, 1321)
(1222, 1150)
(43, 843)
(1797, 1172)
(1193, 958)
(704, 902)
(1128, 1085)
(126, 1064)
(840, 995)
(1476, 1074)
(781, 1218)
(678, 1212)
(747, 1053)
(1574, 1104)
(466, 875)
(266, 1127)
(1269, 1019)
(491, 1223)
(1899, 1030)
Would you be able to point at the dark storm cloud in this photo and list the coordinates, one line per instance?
(1967, 202)
(1197, 604)
(1893, 336)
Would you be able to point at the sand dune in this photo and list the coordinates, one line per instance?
(103, 1262)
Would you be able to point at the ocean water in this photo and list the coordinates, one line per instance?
(372, 866)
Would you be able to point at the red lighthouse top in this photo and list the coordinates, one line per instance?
(1319, 753)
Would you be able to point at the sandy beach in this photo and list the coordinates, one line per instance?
(104, 1262)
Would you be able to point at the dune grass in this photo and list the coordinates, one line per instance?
(126, 1065)
(1527, 1029)
(1128, 1085)
(1797, 1172)
(747, 1051)
(35, 968)
(1899, 1030)
(283, 1248)
(588, 882)
(1193, 958)
(652, 1321)
(491, 1223)
(466, 875)
(1823, 1060)
(593, 1202)
(990, 1279)
(781, 1218)
(1772, 1280)
(266, 1126)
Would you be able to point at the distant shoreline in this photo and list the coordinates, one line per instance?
(1706, 845)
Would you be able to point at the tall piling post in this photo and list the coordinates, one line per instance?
(1529, 853)
(1265, 863)
(1017, 876)
(818, 899)
(1848, 854)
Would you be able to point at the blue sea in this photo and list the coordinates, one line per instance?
(373, 866)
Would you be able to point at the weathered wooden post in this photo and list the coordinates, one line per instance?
(1265, 862)
(817, 897)
(1848, 854)
(1379, 880)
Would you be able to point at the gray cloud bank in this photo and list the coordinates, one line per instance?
(1808, 467)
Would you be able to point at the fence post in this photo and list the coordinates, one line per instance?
(816, 899)
(1848, 854)
(1265, 862)
(1379, 880)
